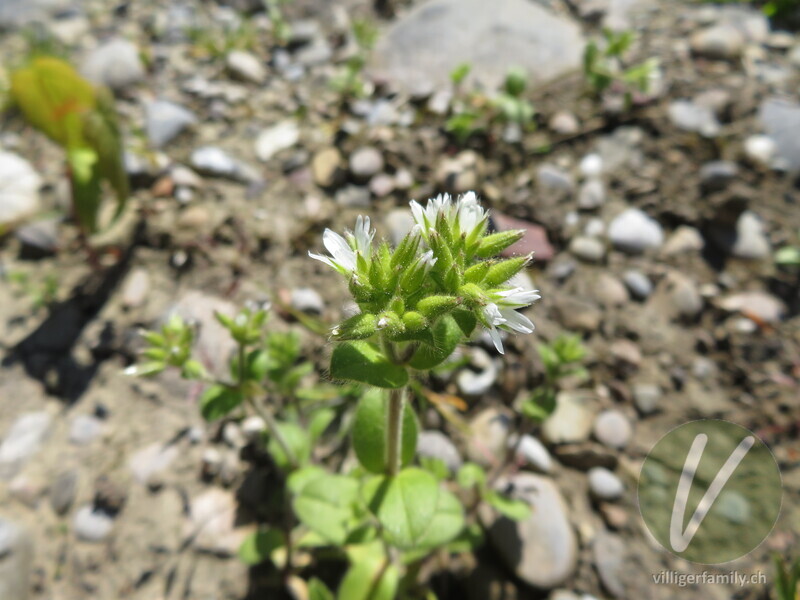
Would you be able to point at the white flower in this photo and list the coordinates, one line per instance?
(466, 211)
(502, 314)
(427, 260)
(343, 252)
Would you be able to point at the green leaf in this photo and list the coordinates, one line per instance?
(405, 505)
(447, 522)
(470, 475)
(219, 400)
(435, 466)
(513, 509)
(363, 362)
(301, 477)
(465, 320)
(447, 335)
(319, 422)
(318, 590)
(296, 438)
(371, 579)
(540, 405)
(369, 432)
(325, 505)
(258, 546)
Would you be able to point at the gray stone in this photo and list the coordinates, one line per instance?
(647, 397)
(604, 484)
(366, 162)
(750, 241)
(276, 138)
(354, 196)
(717, 174)
(164, 121)
(92, 525)
(621, 149)
(572, 419)
(316, 53)
(382, 185)
(541, 550)
(638, 284)
(63, 490)
(588, 249)
(422, 48)
(610, 559)
(550, 177)
(17, 13)
(689, 116)
(39, 238)
(761, 305)
(307, 300)
(634, 231)
(564, 122)
(435, 444)
(85, 429)
(23, 441)
(488, 437)
(781, 120)
(479, 379)
(578, 315)
(326, 167)
(114, 63)
(683, 240)
(609, 290)
(592, 194)
(16, 561)
(212, 524)
(214, 161)
(532, 452)
(398, 222)
(19, 189)
(613, 429)
(591, 166)
(761, 150)
(245, 66)
(684, 296)
(148, 464)
(460, 173)
(718, 41)
(136, 288)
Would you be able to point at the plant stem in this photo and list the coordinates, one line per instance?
(394, 430)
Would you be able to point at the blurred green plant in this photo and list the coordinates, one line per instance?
(560, 359)
(787, 578)
(349, 81)
(474, 112)
(788, 255)
(604, 66)
(41, 294)
(82, 119)
(281, 29)
(216, 42)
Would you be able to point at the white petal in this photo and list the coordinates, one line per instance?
(516, 321)
(339, 249)
(498, 341)
(326, 259)
(493, 314)
(417, 212)
(518, 297)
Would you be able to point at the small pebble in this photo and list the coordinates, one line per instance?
(638, 284)
(91, 525)
(604, 484)
(612, 429)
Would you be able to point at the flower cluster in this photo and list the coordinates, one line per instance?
(442, 274)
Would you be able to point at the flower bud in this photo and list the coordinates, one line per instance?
(390, 322)
(414, 321)
(477, 272)
(433, 307)
(357, 327)
(504, 270)
(495, 243)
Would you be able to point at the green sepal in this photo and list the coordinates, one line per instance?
(433, 307)
(494, 243)
(477, 272)
(447, 335)
(357, 327)
(502, 271)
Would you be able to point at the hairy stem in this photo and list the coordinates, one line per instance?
(394, 430)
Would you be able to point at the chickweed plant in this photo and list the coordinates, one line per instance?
(474, 113)
(416, 303)
(787, 578)
(348, 81)
(82, 119)
(605, 69)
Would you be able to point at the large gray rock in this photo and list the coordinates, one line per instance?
(19, 189)
(16, 13)
(165, 120)
(419, 52)
(16, 556)
(115, 63)
(22, 442)
(542, 549)
(781, 121)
